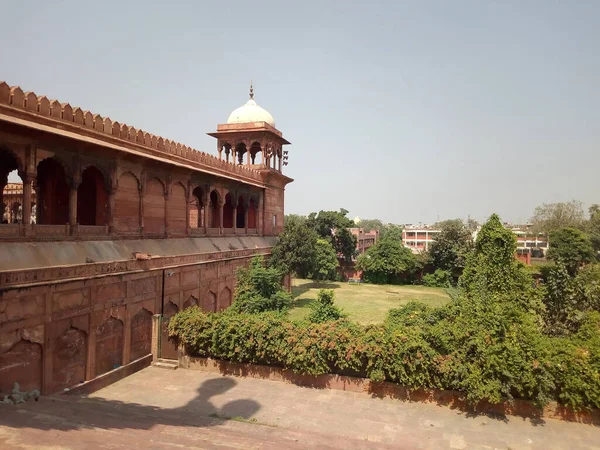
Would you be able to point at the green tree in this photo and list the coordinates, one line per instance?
(386, 262)
(451, 247)
(593, 227)
(550, 217)
(324, 310)
(259, 289)
(295, 218)
(333, 225)
(296, 249)
(325, 263)
(492, 272)
(572, 247)
(371, 224)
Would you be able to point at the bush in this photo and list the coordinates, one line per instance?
(575, 365)
(487, 343)
(323, 310)
(259, 289)
(440, 278)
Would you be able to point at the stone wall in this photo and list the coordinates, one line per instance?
(54, 335)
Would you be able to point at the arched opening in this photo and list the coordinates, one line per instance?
(190, 302)
(226, 148)
(197, 208)
(92, 199)
(21, 363)
(177, 209)
(254, 150)
(252, 214)
(168, 349)
(141, 335)
(69, 359)
(215, 221)
(109, 345)
(241, 213)
(228, 212)
(225, 299)
(126, 215)
(210, 302)
(154, 207)
(240, 151)
(53, 195)
(11, 188)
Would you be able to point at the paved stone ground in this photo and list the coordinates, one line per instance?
(156, 408)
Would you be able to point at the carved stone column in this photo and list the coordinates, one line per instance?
(27, 179)
(235, 205)
(205, 202)
(220, 205)
(111, 209)
(73, 204)
(246, 217)
(187, 211)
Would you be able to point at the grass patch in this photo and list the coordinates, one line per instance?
(364, 303)
(240, 419)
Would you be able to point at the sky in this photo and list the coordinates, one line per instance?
(404, 111)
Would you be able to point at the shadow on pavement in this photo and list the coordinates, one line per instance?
(76, 412)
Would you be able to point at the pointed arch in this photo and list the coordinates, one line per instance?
(214, 209)
(53, 195)
(228, 206)
(210, 302)
(252, 206)
(225, 299)
(190, 302)
(240, 219)
(126, 214)
(92, 198)
(197, 209)
(177, 209)
(154, 207)
(69, 358)
(109, 345)
(141, 334)
(255, 149)
(23, 363)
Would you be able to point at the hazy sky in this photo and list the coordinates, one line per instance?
(403, 111)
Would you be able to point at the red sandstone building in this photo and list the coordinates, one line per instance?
(364, 239)
(127, 226)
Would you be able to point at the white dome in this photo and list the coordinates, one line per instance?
(251, 112)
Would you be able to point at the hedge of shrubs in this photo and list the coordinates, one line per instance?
(416, 347)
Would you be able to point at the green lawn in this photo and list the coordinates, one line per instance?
(365, 303)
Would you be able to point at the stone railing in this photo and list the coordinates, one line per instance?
(103, 127)
(51, 231)
(91, 230)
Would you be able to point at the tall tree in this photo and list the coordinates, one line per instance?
(492, 272)
(572, 247)
(386, 262)
(333, 225)
(296, 249)
(325, 262)
(451, 247)
(593, 227)
(550, 217)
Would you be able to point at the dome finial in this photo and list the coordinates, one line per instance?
(251, 91)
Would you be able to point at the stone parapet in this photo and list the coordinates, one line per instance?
(31, 107)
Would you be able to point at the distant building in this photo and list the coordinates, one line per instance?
(419, 239)
(364, 239)
(529, 243)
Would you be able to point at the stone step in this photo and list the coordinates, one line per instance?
(169, 364)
